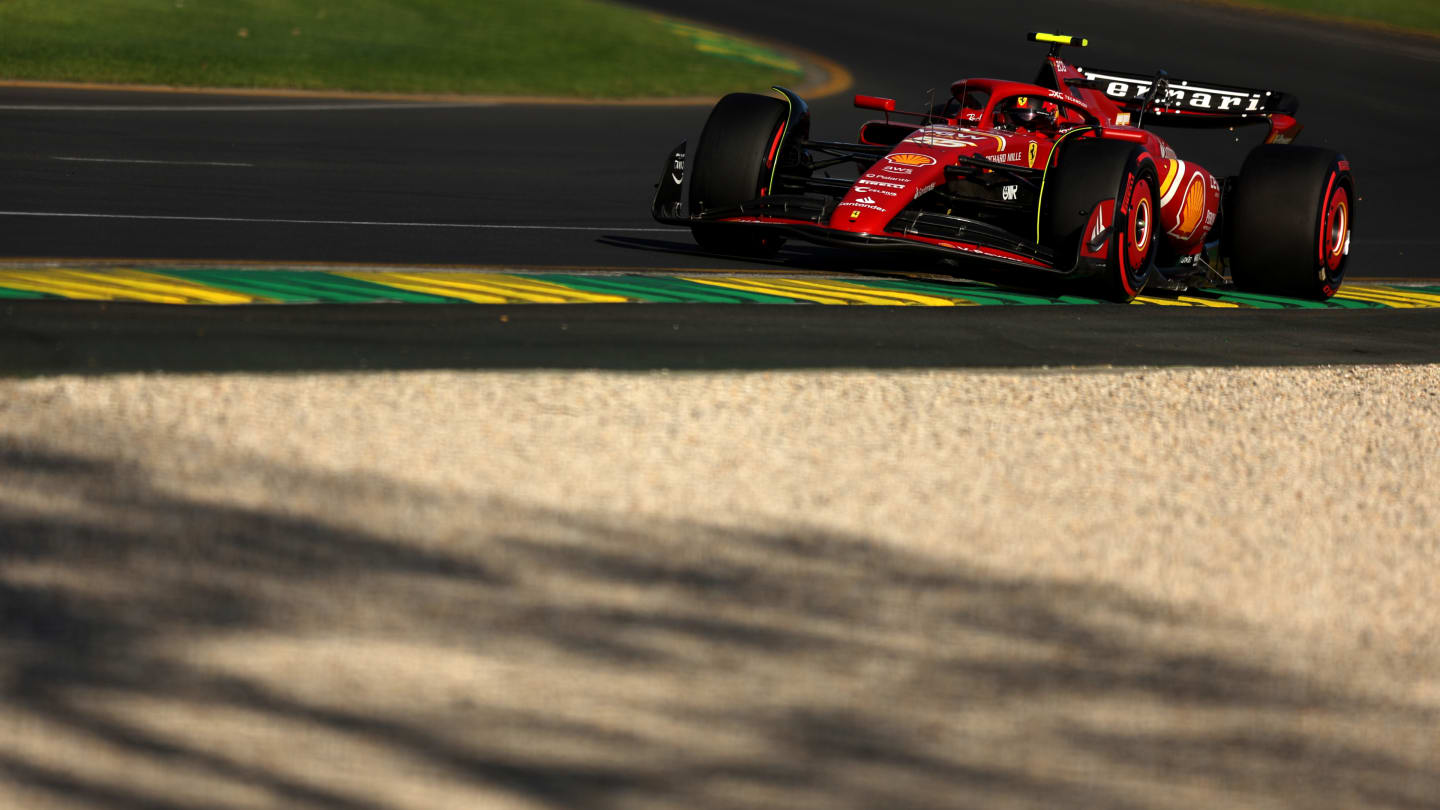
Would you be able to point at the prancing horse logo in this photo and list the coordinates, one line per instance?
(1034, 149)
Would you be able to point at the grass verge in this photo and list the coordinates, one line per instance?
(511, 47)
(1420, 15)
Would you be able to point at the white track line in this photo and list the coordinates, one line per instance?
(468, 225)
(208, 108)
(154, 162)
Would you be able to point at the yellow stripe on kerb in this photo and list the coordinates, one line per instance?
(921, 299)
(867, 295)
(1208, 302)
(1184, 301)
(825, 292)
(120, 285)
(486, 288)
(1400, 299)
(750, 285)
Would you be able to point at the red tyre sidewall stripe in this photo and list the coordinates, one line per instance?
(1135, 187)
(1325, 203)
(770, 158)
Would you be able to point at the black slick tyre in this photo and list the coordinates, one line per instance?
(734, 163)
(1289, 221)
(1091, 172)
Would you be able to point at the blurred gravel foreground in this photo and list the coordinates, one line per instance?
(1184, 588)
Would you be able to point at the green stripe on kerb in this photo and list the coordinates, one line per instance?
(21, 294)
(288, 286)
(714, 42)
(985, 295)
(1257, 301)
(305, 287)
(1346, 303)
(663, 290)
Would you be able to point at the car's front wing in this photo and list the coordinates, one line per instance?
(806, 217)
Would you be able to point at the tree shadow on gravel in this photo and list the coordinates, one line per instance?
(645, 663)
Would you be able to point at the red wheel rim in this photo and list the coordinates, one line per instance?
(1335, 230)
(1138, 235)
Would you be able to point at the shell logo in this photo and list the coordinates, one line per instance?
(1194, 209)
(910, 159)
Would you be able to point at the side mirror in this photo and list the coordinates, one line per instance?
(875, 103)
(883, 133)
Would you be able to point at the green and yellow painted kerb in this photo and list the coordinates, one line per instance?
(730, 47)
(370, 286)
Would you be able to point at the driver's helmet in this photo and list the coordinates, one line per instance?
(1030, 112)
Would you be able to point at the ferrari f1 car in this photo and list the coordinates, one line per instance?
(1061, 176)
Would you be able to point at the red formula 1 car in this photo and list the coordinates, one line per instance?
(1060, 177)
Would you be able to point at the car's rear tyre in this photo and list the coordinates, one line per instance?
(1091, 172)
(734, 163)
(1290, 220)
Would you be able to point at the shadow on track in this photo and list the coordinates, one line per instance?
(873, 262)
(877, 262)
(806, 258)
(66, 337)
(165, 646)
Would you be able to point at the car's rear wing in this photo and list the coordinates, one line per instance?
(1183, 103)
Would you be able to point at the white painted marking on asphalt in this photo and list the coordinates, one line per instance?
(277, 221)
(155, 162)
(231, 107)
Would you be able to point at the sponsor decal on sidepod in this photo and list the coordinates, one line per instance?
(938, 140)
(870, 206)
(1192, 210)
(910, 159)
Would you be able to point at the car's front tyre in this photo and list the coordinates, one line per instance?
(735, 163)
(1092, 172)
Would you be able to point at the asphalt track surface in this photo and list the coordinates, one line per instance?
(234, 179)
(76, 337)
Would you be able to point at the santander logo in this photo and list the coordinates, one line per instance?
(867, 201)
